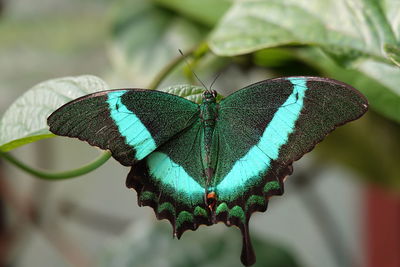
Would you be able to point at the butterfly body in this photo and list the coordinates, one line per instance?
(214, 161)
(208, 118)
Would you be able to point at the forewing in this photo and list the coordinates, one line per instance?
(131, 123)
(172, 181)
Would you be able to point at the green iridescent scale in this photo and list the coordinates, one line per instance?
(203, 164)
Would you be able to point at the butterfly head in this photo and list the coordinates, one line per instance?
(209, 95)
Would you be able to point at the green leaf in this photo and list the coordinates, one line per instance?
(25, 121)
(208, 12)
(348, 31)
(352, 28)
(190, 92)
(147, 38)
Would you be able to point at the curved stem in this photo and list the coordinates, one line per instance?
(164, 72)
(100, 160)
(199, 51)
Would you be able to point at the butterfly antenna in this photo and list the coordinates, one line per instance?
(195, 75)
(215, 79)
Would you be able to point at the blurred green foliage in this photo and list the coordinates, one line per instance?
(353, 41)
(208, 250)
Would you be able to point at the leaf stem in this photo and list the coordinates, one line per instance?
(164, 73)
(100, 160)
(199, 51)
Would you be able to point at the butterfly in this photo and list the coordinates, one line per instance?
(215, 161)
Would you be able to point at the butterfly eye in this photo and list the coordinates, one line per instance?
(207, 94)
(210, 94)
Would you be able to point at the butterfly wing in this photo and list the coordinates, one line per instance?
(262, 129)
(172, 181)
(275, 122)
(131, 123)
(159, 134)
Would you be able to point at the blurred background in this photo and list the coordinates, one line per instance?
(341, 206)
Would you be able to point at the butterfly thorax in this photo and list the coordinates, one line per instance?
(208, 116)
